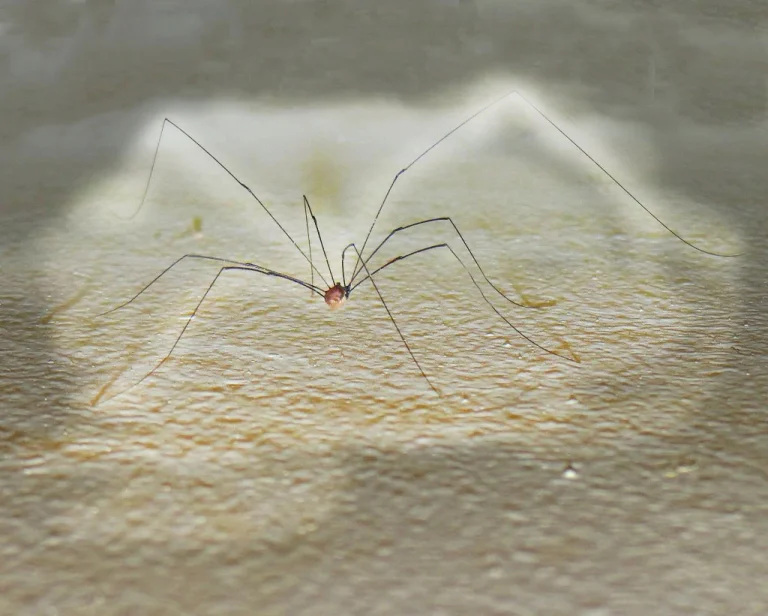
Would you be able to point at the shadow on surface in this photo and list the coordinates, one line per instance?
(490, 524)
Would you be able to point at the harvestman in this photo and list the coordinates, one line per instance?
(335, 294)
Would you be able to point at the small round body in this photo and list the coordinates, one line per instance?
(335, 296)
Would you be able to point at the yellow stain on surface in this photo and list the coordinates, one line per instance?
(194, 229)
(105, 388)
(324, 176)
(64, 305)
(532, 303)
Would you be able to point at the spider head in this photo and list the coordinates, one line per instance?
(335, 296)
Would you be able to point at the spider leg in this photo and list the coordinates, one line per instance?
(463, 241)
(544, 116)
(619, 184)
(216, 259)
(392, 318)
(309, 242)
(227, 170)
(370, 274)
(412, 163)
(248, 267)
(307, 206)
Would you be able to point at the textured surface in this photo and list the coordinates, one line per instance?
(291, 460)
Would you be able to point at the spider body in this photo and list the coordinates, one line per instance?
(336, 295)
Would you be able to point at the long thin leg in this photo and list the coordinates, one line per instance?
(343, 274)
(619, 184)
(487, 301)
(411, 164)
(320, 237)
(392, 318)
(343, 259)
(564, 134)
(251, 266)
(232, 175)
(463, 241)
(226, 268)
(309, 242)
(151, 171)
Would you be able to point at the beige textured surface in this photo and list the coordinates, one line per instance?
(290, 460)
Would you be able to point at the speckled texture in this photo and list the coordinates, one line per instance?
(291, 460)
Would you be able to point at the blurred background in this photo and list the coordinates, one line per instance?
(408, 506)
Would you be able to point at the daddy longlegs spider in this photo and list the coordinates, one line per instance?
(336, 293)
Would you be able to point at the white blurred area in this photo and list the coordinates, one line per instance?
(548, 226)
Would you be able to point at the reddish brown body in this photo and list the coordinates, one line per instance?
(335, 296)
